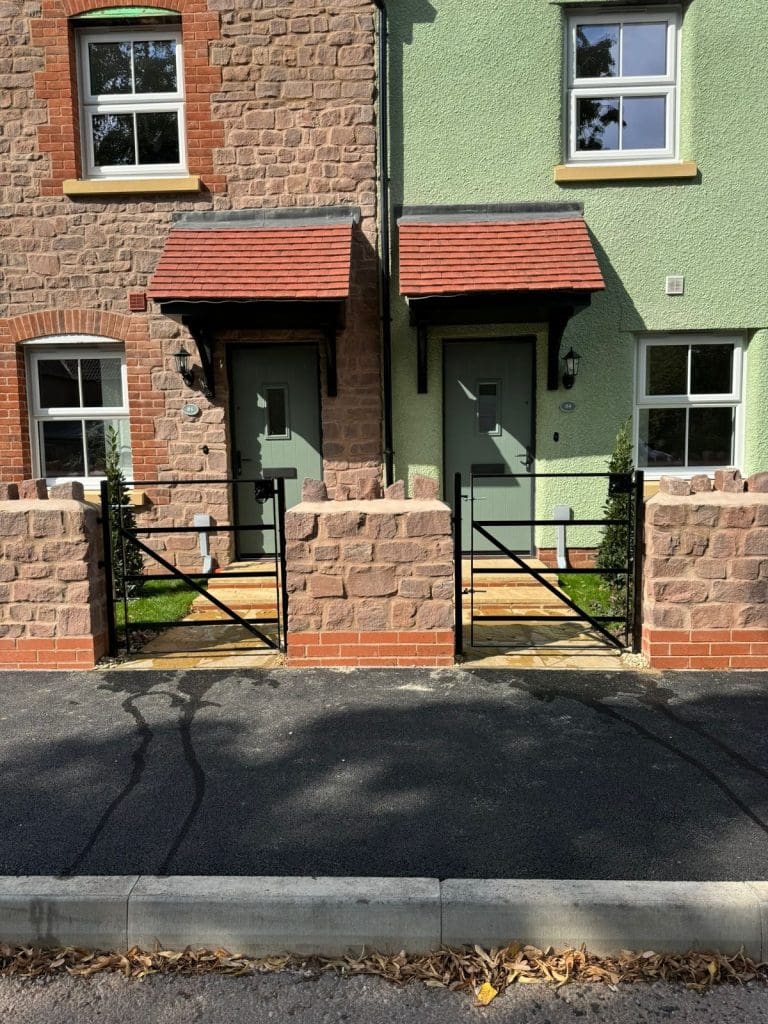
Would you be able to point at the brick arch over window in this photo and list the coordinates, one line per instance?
(57, 83)
(141, 355)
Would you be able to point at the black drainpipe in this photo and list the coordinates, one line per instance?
(385, 254)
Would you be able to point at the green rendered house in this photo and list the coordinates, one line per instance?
(647, 121)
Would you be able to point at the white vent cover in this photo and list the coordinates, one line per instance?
(675, 284)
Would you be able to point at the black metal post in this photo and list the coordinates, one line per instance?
(457, 568)
(637, 564)
(109, 583)
(281, 544)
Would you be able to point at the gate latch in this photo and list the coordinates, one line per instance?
(263, 489)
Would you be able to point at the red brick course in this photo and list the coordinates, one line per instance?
(706, 648)
(71, 652)
(578, 558)
(372, 649)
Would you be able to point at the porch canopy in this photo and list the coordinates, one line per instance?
(281, 269)
(519, 263)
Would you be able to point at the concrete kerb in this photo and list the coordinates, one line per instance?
(330, 916)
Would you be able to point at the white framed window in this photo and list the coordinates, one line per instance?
(132, 103)
(77, 393)
(623, 86)
(689, 411)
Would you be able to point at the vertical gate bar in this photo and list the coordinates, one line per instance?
(281, 542)
(472, 559)
(124, 581)
(629, 548)
(278, 571)
(106, 536)
(458, 642)
(637, 566)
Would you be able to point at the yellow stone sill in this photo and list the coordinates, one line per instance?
(129, 186)
(565, 173)
(137, 498)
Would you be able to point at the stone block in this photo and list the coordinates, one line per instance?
(417, 589)
(664, 616)
(435, 615)
(713, 616)
(700, 484)
(677, 485)
(46, 524)
(443, 590)
(737, 517)
(32, 489)
(401, 551)
(369, 489)
(711, 568)
(71, 491)
(381, 526)
(435, 523)
(322, 586)
(730, 481)
(660, 514)
(751, 617)
(738, 592)
(694, 542)
(12, 524)
(425, 488)
(670, 566)
(358, 551)
(403, 614)
(9, 492)
(680, 591)
(300, 525)
(338, 615)
(395, 491)
(341, 524)
(745, 568)
(758, 483)
(314, 490)
(371, 581)
(756, 542)
(373, 615)
(724, 545)
(325, 552)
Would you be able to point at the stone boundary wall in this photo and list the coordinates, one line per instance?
(370, 582)
(52, 593)
(706, 573)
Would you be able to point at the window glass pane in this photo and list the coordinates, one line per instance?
(644, 120)
(277, 412)
(597, 51)
(110, 68)
(158, 137)
(58, 384)
(155, 65)
(644, 49)
(62, 448)
(662, 438)
(666, 370)
(712, 369)
(96, 439)
(113, 140)
(488, 407)
(102, 382)
(598, 124)
(710, 441)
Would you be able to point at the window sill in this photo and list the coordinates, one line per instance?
(137, 499)
(566, 173)
(130, 186)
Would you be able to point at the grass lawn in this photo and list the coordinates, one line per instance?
(158, 601)
(589, 592)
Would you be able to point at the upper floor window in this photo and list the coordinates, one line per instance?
(78, 393)
(132, 102)
(623, 86)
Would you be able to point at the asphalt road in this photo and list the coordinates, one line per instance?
(449, 774)
(301, 1000)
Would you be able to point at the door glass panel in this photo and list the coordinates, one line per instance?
(712, 369)
(62, 448)
(488, 407)
(113, 144)
(155, 65)
(158, 137)
(277, 411)
(597, 51)
(598, 124)
(110, 68)
(644, 51)
(644, 122)
(662, 437)
(710, 441)
(58, 384)
(666, 370)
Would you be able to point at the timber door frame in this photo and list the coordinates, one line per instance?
(239, 346)
(514, 339)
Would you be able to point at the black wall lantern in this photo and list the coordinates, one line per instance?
(571, 361)
(181, 359)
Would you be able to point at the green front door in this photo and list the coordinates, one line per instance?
(488, 431)
(276, 419)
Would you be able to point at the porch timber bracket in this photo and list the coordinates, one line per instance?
(204, 342)
(555, 309)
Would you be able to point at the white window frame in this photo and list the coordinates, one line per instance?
(733, 399)
(70, 347)
(667, 86)
(129, 103)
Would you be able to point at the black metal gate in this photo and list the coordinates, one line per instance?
(626, 622)
(270, 494)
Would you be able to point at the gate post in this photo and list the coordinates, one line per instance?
(283, 624)
(109, 582)
(457, 567)
(637, 562)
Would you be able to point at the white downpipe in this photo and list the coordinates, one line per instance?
(204, 519)
(562, 514)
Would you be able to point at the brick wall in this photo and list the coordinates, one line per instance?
(370, 583)
(281, 113)
(706, 574)
(52, 594)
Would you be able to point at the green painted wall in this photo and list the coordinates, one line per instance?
(477, 117)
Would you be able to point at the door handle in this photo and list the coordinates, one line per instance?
(527, 459)
(238, 464)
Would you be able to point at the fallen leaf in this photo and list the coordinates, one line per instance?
(486, 994)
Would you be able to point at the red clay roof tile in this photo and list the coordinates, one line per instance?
(493, 256)
(255, 263)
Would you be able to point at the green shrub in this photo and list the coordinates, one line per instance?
(613, 549)
(126, 557)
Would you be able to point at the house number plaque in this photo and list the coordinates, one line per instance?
(568, 406)
(191, 410)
